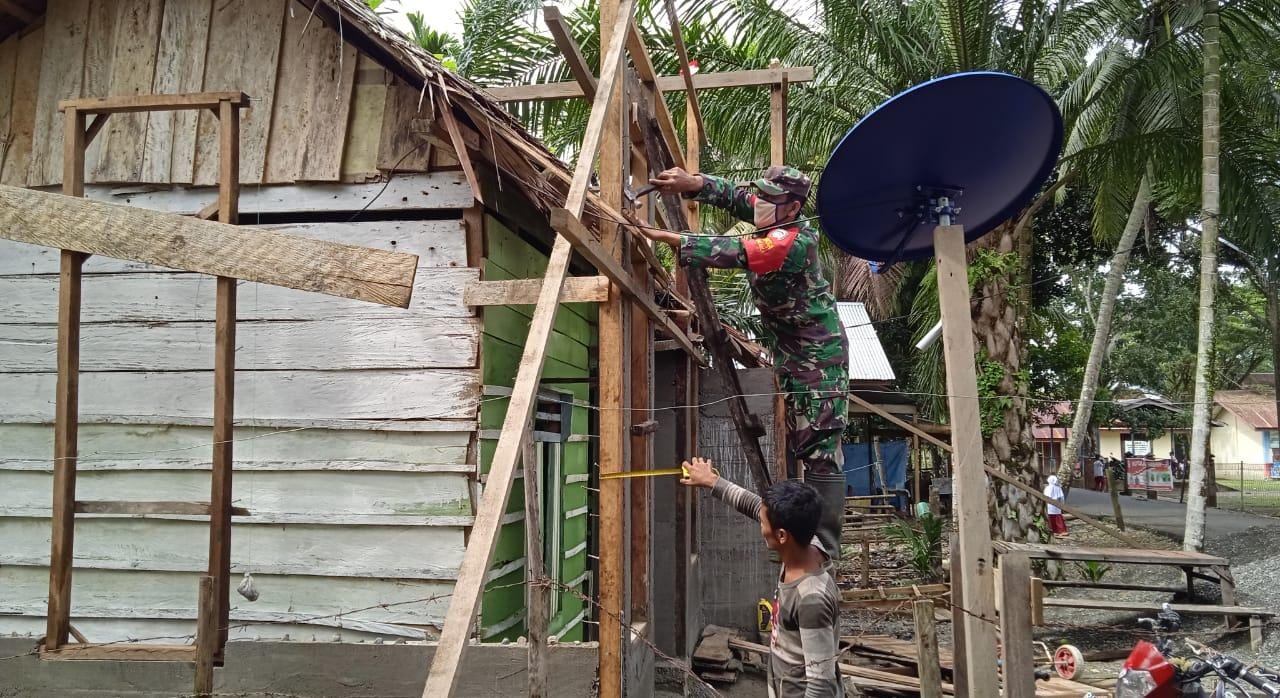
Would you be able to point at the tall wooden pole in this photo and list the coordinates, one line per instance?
(614, 438)
(978, 589)
(537, 593)
(67, 400)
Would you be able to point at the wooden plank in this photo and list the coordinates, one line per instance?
(778, 123)
(61, 77)
(170, 146)
(1005, 477)
(577, 289)
(665, 83)
(26, 81)
(99, 52)
(211, 248)
(369, 97)
(124, 653)
(186, 297)
(66, 401)
(570, 227)
(323, 345)
(644, 68)
(1151, 606)
(686, 72)
(405, 116)
(8, 65)
(1037, 601)
(266, 395)
(307, 548)
(569, 49)
(206, 636)
(149, 508)
(976, 554)
(537, 591)
(133, 69)
(927, 663)
(1015, 626)
(1177, 558)
(892, 419)
(455, 137)
(244, 49)
(1086, 584)
(139, 102)
(333, 76)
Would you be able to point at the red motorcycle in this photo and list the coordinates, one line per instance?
(1155, 671)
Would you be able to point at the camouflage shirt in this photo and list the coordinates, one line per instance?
(794, 298)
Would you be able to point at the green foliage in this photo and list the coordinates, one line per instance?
(1092, 570)
(924, 545)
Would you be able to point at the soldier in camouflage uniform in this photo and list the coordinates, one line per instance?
(797, 309)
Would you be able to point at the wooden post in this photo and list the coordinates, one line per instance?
(224, 371)
(1037, 601)
(915, 472)
(613, 350)
(537, 592)
(959, 667)
(778, 121)
(67, 400)
(1115, 501)
(1015, 626)
(970, 489)
(927, 663)
(781, 445)
(641, 376)
(866, 562)
(207, 632)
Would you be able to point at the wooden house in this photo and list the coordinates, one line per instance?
(363, 432)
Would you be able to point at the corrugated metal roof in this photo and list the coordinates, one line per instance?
(1257, 410)
(867, 360)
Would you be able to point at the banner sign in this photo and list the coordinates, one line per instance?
(1143, 474)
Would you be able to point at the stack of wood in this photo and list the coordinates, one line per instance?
(713, 660)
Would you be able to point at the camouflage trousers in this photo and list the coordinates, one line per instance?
(817, 412)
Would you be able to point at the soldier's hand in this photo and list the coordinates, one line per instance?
(676, 181)
(701, 474)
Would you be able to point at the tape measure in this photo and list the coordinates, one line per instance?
(626, 475)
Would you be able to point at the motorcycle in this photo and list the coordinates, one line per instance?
(1153, 670)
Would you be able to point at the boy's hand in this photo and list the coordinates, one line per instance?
(676, 181)
(701, 474)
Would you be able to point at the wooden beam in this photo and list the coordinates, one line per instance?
(67, 399)
(1018, 668)
(224, 377)
(686, 71)
(974, 526)
(649, 76)
(1007, 478)
(569, 49)
(573, 229)
(150, 508)
(94, 128)
(217, 249)
(13, 9)
(911, 428)
(206, 637)
(577, 289)
(455, 138)
(122, 652)
(778, 123)
(927, 664)
(604, 102)
(135, 103)
(537, 589)
(665, 83)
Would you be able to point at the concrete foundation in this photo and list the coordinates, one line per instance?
(288, 669)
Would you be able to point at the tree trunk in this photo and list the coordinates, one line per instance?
(1010, 446)
(1193, 537)
(1102, 330)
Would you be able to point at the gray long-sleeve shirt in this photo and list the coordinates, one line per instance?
(805, 646)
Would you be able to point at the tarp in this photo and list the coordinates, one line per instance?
(861, 478)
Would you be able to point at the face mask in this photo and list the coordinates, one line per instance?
(766, 213)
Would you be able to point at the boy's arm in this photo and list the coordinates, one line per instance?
(744, 500)
(819, 614)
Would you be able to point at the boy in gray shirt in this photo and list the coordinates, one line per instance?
(806, 604)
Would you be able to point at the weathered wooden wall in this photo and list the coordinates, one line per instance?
(356, 466)
(321, 111)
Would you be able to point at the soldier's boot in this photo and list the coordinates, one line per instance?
(831, 488)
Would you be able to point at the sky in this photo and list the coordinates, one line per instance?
(441, 15)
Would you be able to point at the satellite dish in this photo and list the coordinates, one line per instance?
(968, 148)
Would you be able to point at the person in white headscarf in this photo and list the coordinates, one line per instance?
(1057, 525)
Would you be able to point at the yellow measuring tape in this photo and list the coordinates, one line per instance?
(681, 471)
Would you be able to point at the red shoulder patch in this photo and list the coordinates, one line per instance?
(767, 252)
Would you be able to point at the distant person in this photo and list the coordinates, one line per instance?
(1099, 473)
(1057, 525)
(805, 644)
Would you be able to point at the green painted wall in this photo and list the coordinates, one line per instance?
(568, 356)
